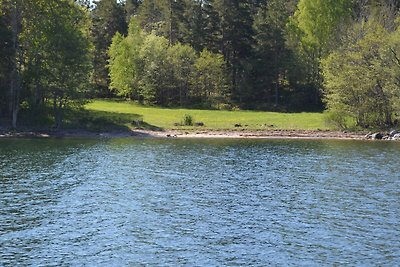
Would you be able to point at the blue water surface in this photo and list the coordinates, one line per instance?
(151, 202)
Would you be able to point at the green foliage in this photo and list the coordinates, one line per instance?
(187, 120)
(317, 22)
(214, 54)
(152, 16)
(236, 41)
(124, 65)
(209, 79)
(5, 55)
(203, 25)
(271, 58)
(156, 75)
(314, 30)
(146, 68)
(131, 8)
(362, 76)
(182, 59)
(56, 61)
(108, 18)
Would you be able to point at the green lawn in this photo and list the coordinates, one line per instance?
(165, 118)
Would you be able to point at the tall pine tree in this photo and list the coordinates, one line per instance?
(237, 39)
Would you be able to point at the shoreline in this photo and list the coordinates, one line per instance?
(220, 134)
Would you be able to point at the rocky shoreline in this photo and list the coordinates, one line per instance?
(392, 135)
(177, 133)
(277, 134)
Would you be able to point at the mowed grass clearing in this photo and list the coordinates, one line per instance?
(167, 118)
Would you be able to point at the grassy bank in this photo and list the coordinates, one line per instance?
(124, 114)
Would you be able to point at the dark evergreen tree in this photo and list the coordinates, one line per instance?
(176, 21)
(237, 40)
(152, 16)
(5, 55)
(164, 18)
(270, 52)
(131, 8)
(212, 32)
(204, 26)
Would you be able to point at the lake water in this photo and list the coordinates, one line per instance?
(150, 202)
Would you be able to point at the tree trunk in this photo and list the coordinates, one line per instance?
(15, 117)
(58, 107)
(15, 84)
(170, 41)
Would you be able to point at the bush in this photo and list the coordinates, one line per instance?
(187, 120)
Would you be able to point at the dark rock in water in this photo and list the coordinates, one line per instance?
(200, 123)
(238, 125)
(377, 136)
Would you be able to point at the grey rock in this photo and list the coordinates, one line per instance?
(396, 136)
(368, 135)
(393, 133)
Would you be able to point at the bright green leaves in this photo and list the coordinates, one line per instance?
(156, 72)
(317, 22)
(108, 18)
(52, 53)
(361, 78)
(147, 68)
(314, 30)
(209, 78)
(124, 65)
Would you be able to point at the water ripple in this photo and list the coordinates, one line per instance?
(126, 202)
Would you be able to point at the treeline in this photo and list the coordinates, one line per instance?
(342, 55)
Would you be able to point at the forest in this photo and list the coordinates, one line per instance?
(337, 56)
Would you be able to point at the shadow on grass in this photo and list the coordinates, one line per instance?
(86, 120)
(98, 121)
(257, 106)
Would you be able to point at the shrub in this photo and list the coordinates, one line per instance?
(187, 120)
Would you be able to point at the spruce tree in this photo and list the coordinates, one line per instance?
(237, 41)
